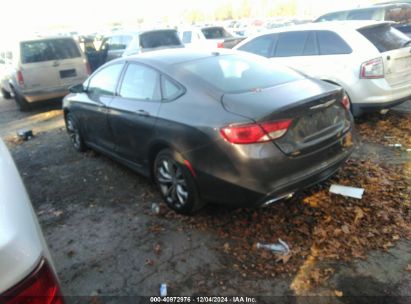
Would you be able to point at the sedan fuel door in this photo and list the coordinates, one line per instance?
(134, 111)
(94, 106)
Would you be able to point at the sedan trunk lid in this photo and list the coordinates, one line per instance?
(315, 108)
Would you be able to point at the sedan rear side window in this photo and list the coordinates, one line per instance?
(232, 73)
(331, 44)
(384, 38)
(46, 50)
(140, 82)
(169, 89)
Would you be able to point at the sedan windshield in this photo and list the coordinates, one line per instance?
(235, 73)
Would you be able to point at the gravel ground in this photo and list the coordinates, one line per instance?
(105, 241)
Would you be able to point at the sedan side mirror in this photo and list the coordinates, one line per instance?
(78, 88)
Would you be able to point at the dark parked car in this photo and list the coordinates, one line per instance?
(132, 43)
(400, 13)
(221, 126)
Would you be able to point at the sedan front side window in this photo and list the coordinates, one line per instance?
(140, 82)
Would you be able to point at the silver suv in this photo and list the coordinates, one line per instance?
(371, 60)
(41, 68)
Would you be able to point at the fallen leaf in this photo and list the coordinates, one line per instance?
(338, 293)
(157, 249)
(345, 229)
(359, 214)
(284, 258)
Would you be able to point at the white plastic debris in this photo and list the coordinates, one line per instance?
(155, 208)
(25, 134)
(163, 290)
(347, 191)
(409, 150)
(281, 247)
(395, 145)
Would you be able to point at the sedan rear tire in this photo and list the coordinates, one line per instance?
(74, 133)
(176, 183)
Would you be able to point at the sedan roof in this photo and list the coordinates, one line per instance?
(171, 57)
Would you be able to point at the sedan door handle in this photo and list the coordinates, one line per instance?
(142, 113)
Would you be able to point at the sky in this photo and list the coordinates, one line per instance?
(24, 15)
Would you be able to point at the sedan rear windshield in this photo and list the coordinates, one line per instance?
(215, 33)
(159, 38)
(46, 50)
(235, 74)
(384, 37)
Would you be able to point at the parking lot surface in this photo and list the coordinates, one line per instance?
(106, 241)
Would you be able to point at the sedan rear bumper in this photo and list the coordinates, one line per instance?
(273, 177)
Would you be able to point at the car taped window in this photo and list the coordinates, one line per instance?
(384, 37)
(104, 82)
(140, 82)
(261, 45)
(330, 43)
(291, 44)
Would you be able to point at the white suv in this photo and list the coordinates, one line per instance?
(369, 59)
(41, 68)
(27, 274)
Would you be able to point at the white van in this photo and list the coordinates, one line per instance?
(42, 68)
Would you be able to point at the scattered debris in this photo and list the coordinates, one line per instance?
(25, 134)
(395, 145)
(281, 247)
(155, 208)
(58, 213)
(163, 290)
(338, 293)
(409, 150)
(347, 191)
(149, 262)
(157, 249)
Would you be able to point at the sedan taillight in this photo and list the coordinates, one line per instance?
(346, 102)
(40, 287)
(255, 133)
(372, 69)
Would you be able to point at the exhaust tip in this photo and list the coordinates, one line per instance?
(278, 198)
